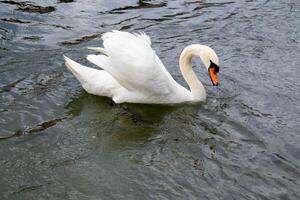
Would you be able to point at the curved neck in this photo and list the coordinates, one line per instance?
(185, 63)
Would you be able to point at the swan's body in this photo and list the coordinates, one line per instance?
(133, 73)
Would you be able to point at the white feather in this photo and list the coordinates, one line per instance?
(99, 49)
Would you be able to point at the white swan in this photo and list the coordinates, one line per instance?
(133, 73)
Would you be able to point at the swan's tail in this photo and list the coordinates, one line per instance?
(94, 81)
(82, 73)
(77, 69)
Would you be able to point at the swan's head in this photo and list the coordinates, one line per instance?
(208, 57)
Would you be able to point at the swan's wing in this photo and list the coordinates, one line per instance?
(134, 64)
(97, 82)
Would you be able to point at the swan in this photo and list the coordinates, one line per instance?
(133, 73)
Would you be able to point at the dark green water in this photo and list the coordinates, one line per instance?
(58, 142)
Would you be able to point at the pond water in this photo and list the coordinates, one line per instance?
(58, 142)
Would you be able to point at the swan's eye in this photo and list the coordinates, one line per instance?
(216, 69)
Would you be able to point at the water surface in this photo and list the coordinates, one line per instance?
(58, 142)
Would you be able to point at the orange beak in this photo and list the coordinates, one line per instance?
(213, 76)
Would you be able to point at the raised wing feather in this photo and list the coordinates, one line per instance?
(144, 37)
(134, 64)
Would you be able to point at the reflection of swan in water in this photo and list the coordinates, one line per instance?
(117, 126)
(136, 113)
(133, 72)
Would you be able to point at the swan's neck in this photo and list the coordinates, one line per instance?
(197, 89)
